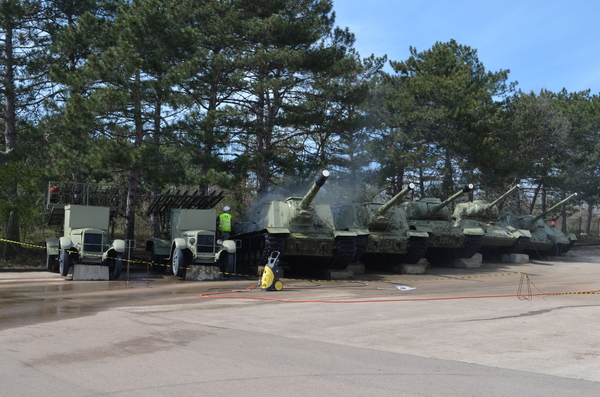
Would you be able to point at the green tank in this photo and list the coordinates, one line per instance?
(498, 237)
(446, 241)
(303, 232)
(383, 233)
(545, 240)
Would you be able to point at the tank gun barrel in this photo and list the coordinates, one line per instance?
(512, 189)
(384, 208)
(543, 214)
(450, 199)
(309, 197)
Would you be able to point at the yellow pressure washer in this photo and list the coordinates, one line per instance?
(270, 280)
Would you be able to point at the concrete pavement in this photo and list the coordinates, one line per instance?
(161, 338)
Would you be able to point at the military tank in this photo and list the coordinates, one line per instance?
(383, 233)
(303, 232)
(498, 237)
(446, 241)
(545, 240)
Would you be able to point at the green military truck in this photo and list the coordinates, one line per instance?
(188, 233)
(85, 228)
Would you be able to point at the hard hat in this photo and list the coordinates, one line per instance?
(226, 208)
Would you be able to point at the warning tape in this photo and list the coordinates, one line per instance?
(524, 276)
(208, 271)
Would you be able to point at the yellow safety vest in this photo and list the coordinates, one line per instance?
(224, 222)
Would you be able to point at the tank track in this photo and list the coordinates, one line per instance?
(521, 245)
(272, 242)
(361, 246)
(344, 252)
(257, 247)
(417, 248)
(472, 246)
(567, 247)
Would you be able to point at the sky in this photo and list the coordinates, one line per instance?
(551, 44)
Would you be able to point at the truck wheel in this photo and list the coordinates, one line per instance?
(178, 263)
(51, 262)
(64, 263)
(115, 270)
(226, 262)
(158, 266)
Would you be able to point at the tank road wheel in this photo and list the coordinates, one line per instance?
(345, 249)
(115, 266)
(521, 245)
(552, 252)
(361, 246)
(472, 246)
(417, 248)
(567, 247)
(51, 262)
(272, 242)
(64, 263)
(178, 263)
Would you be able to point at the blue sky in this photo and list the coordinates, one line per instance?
(552, 44)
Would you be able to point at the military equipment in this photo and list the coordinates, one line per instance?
(498, 238)
(303, 232)
(383, 234)
(189, 227)
(545, 240)
(78, 207)
(446, 241)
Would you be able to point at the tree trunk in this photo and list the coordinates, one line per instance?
(421, 181)
(447, 182)
(134, 177)
(9, 115)
(563, 212)
(10, 132)
(588, 223)
(398, 182)
(543, 199)
(535, 195)
(155, 219)
(154, 188)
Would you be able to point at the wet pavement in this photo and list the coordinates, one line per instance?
(450, 332)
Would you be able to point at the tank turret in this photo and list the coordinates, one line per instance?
(512, 189)
(310, 196)
(498, 238)
(303, 215)
(480, 210)
(446, 241)
(431, 208)
(549, 210)
(384, 208)
(443, 204)
(545, 240)
(378, 219)
(384, 238)
(302, 231)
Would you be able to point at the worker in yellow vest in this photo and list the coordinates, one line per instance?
(224, 227)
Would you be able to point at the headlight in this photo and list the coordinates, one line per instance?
(220, 242)
(192, 241)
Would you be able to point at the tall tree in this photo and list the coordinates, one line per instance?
(535, 139)
(580, 164)
(288, 43)
(447, 96)
(17, 38)
(131, 67)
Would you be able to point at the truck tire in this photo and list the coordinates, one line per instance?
(64, 263)
(51, 262)
(178, 262)
(117, 266)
